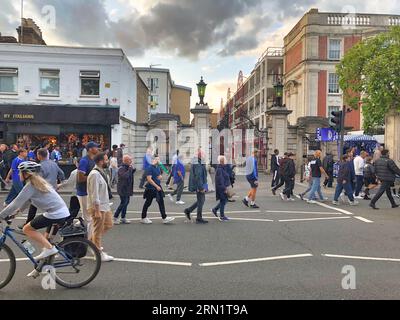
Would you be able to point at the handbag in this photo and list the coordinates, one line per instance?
(230, 193)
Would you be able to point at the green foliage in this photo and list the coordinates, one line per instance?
(372, 68)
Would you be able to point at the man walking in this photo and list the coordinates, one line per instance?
(359, 164)
(120, 154)
(275, 168)
(85, 166)
(98, 203)
(125, 188)
(154, 191)
(289, 173)
(328, 164)
(280, 182)
(13, 175)
(386, 170)
(316, 173)
(344, 182)
(198, 184)
(252, 178)
(147, 162)
(179, 180)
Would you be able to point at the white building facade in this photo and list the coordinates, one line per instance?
(65, 95)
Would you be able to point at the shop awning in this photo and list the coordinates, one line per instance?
(60, 114)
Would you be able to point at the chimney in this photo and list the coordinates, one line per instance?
(7, 39)
(31, 33)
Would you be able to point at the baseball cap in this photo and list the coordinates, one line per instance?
(92, 144)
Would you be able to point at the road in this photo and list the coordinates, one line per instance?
(285, 250)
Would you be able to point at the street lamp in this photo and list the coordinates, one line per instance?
(201, 88)
(278, 93)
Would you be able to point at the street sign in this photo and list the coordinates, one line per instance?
(327, 135)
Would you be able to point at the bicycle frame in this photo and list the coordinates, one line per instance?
(9, 233)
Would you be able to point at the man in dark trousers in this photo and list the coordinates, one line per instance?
(289, 173)
(198, 184)
(386, 170)
(281, 180)
(125, 189)
(328, 167)
(275, 168)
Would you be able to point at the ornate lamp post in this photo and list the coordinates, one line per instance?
(201, 88)
(278, 93)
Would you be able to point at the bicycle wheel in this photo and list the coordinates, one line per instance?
(84, 266)
(7, 265)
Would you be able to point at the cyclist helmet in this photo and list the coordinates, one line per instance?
(29, 167)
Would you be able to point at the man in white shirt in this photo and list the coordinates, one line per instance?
(359, 164)
(98, 203)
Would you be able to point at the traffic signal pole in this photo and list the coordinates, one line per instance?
(342, 132)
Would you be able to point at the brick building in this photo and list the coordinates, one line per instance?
(313, 48)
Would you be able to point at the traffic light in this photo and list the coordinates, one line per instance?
(337, 120)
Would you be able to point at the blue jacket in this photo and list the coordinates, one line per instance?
(222, 181)
(146, 162)
(198, 176)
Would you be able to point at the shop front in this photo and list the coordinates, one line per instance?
(69, 127)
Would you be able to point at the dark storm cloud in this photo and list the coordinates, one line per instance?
(185, 27)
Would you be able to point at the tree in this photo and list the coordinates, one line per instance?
(369, 74)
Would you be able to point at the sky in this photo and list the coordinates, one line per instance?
(211, 38)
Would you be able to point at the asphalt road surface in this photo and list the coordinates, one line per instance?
(285, 250)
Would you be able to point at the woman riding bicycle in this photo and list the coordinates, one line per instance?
(42, 195)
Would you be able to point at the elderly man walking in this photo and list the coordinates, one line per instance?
(125, 188)
(198, 184)
(98, 203)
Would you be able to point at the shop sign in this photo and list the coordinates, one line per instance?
(18, 116)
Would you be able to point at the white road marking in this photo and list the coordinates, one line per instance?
(213, 218)
(364, 220)
(171, 263)
(305, 212)
(314, 219)
(224, 263)
(157, 212)
(18, 259)
(360, 258)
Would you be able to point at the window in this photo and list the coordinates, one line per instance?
(333, 85)
(152, 83)
(8, 81)
(153, 102)
(50, 83)
(335, 49)
(330, 110)
(90, 83)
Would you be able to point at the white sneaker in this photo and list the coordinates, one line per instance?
(168, 220)
(311, 201)
(106, 258)
(116, 221)
(146, 221)
(354, 203)
(34, 274)
(46, 253)
(335, 203)
(171, 197)
(180, 202)
(359, 197)
(291, 199)
(283, 197)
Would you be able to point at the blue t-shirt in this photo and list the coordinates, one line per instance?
(154, 172)
(14, 166)
(179, 167)
(85, 165)
(31, 156)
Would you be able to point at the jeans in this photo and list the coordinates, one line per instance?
(316, 187)
(359, 185)
(201, 199)
(114, 176)
(221, 206)
(123, 207)
(149, 200)
(347, 188)
(289, 186)
(142, 180)
(179, 190)
(385, 187)
(16, 188)
(308, 188)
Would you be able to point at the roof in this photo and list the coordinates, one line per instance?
(155, 70)
(182, 87)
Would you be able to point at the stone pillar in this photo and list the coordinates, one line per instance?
(392, 135)
(201, 115)
(278, 134)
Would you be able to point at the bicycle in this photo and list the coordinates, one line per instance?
(75, 253)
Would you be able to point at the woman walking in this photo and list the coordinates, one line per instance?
(222, 183)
